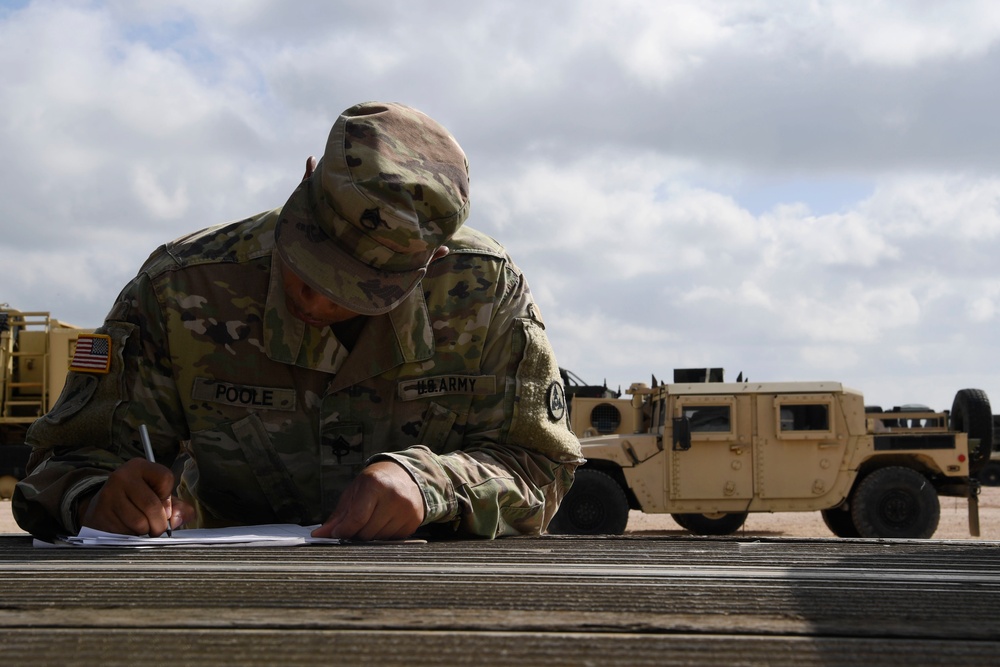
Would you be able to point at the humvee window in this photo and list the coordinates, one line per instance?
(803, 417)
(709, 419)
(605, 418)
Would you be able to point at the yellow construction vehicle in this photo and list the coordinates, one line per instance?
(35, 351)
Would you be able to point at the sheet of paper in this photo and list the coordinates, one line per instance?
(276, 534)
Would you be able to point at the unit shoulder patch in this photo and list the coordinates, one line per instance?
(556, 401)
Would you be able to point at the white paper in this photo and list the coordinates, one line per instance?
(275, 534)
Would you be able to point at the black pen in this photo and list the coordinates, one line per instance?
(148, 446)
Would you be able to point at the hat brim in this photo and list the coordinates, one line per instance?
(328, 268)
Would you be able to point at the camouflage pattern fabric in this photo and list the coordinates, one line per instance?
(392, 187)
(457, 383)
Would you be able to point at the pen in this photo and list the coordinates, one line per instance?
(148, 446)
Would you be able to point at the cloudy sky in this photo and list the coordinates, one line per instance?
(792, 190)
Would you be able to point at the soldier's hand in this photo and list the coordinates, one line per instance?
(136, 500)
(382, 503)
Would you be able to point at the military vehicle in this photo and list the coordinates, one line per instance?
(35, 353)
(709, 452)
(989, 475)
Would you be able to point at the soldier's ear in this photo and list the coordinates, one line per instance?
(310, 167)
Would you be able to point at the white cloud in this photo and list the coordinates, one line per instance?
(955, 204)
(152, 194)
(795, 236)
(790, 189)
(656, 46)
(910, 33)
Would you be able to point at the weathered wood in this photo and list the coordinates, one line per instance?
(567, 600)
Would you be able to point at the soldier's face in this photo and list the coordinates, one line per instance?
(308, 305)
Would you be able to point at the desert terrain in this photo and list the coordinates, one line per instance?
(954, 523)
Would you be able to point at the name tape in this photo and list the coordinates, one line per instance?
(242, 395)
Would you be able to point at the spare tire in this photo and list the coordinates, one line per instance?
(990, 474)
(971, 414)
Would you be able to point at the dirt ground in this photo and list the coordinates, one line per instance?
(954, 523)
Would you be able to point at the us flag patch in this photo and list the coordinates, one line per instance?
(92, 354)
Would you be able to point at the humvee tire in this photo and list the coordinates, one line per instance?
(595, 505)
(971, 413)
(711, 524)
(990, 474)
(839, 522)
(895, 502)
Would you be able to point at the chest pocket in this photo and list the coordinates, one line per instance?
(236, 466)
(437, 427)
(440, 405)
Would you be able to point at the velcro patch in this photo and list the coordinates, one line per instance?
(92, 354)
(555, 399)
(474, 385)
(242, 395)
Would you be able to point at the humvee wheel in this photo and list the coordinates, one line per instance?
(595, 505)
(7, 483)
(711, 524)
(839, 522)
(990, 474)
(895, 502)
(971, 414)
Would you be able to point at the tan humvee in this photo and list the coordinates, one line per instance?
(710, 452)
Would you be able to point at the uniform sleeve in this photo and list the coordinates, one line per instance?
(93, 427)
(519, 455)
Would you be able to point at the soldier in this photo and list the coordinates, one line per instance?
(356, 358)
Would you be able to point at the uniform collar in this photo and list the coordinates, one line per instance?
(403, 335)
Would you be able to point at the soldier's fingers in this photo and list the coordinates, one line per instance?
(394, 529)
(377, 527)
(159, 478)
(112, 511)
(181, 513)
(133, 499)
(351, 513)
(151, 494)
(144, 511)
(137, 475)
(357, 515)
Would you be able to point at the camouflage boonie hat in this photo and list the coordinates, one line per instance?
(391, 188)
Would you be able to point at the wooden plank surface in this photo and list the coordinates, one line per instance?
(566, 600)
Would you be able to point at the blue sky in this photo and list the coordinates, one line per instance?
(797, 191)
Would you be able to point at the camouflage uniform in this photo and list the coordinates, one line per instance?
(451, 376)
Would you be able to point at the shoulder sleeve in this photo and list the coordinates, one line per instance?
(519, 455)
(93, 427)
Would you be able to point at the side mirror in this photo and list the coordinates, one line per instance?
(681, 434)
